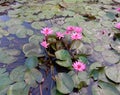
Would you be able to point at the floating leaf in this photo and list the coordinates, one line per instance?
(31, 49)
(111, 15)
(64, 83)
(66, 63)
(62, 54)
(79, 78)
(12, 22)
(110, 56)
(18, 88)
(3, 33)
(4, 81)
(17, 74)
(31, 62)
(94, 74)
(8, 56)
(95, 65)
(104, 88)
(32, 76)
(38, 25)
(113, 73)
(76, 45)
(64, 58)
(54, 91)
(99, 48)
(83, 59)
(36, 39)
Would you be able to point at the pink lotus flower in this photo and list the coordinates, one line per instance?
(79, 66)
(118, 9)
(46, 31)
(60, 35)
(44, 44)
(70, 28)
(67, 32)
(76, 36)
(117, 25)
(78, 29)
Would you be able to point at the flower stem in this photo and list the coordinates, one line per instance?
(41, 89)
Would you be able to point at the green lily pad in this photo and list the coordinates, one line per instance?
(18, 88)
(12, 22)
(3, 33)
(76, 46)
(38, 25)
(32, 76)
(62, 54)
(113, 73)
(4, 81)
(31, 49)
(64, 58)
(79, 78)
(8, 56)
(31, 62)
(17, 74)
(65, 63)
(36, 39)
(104, 88)
(95, 65)
(64, 83)
(110, 56)
(54, 91)
(99, 48)
(20, 31)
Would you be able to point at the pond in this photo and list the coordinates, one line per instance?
(27, 68)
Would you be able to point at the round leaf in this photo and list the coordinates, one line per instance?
(17, 74)
(110, 56)
(62, 54)
(113, 73)
(31, 62)
(33, 75)
(64, 83)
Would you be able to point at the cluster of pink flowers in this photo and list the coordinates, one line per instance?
(75, 34)
(117, 25)
(79, 66)
(73, 31)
